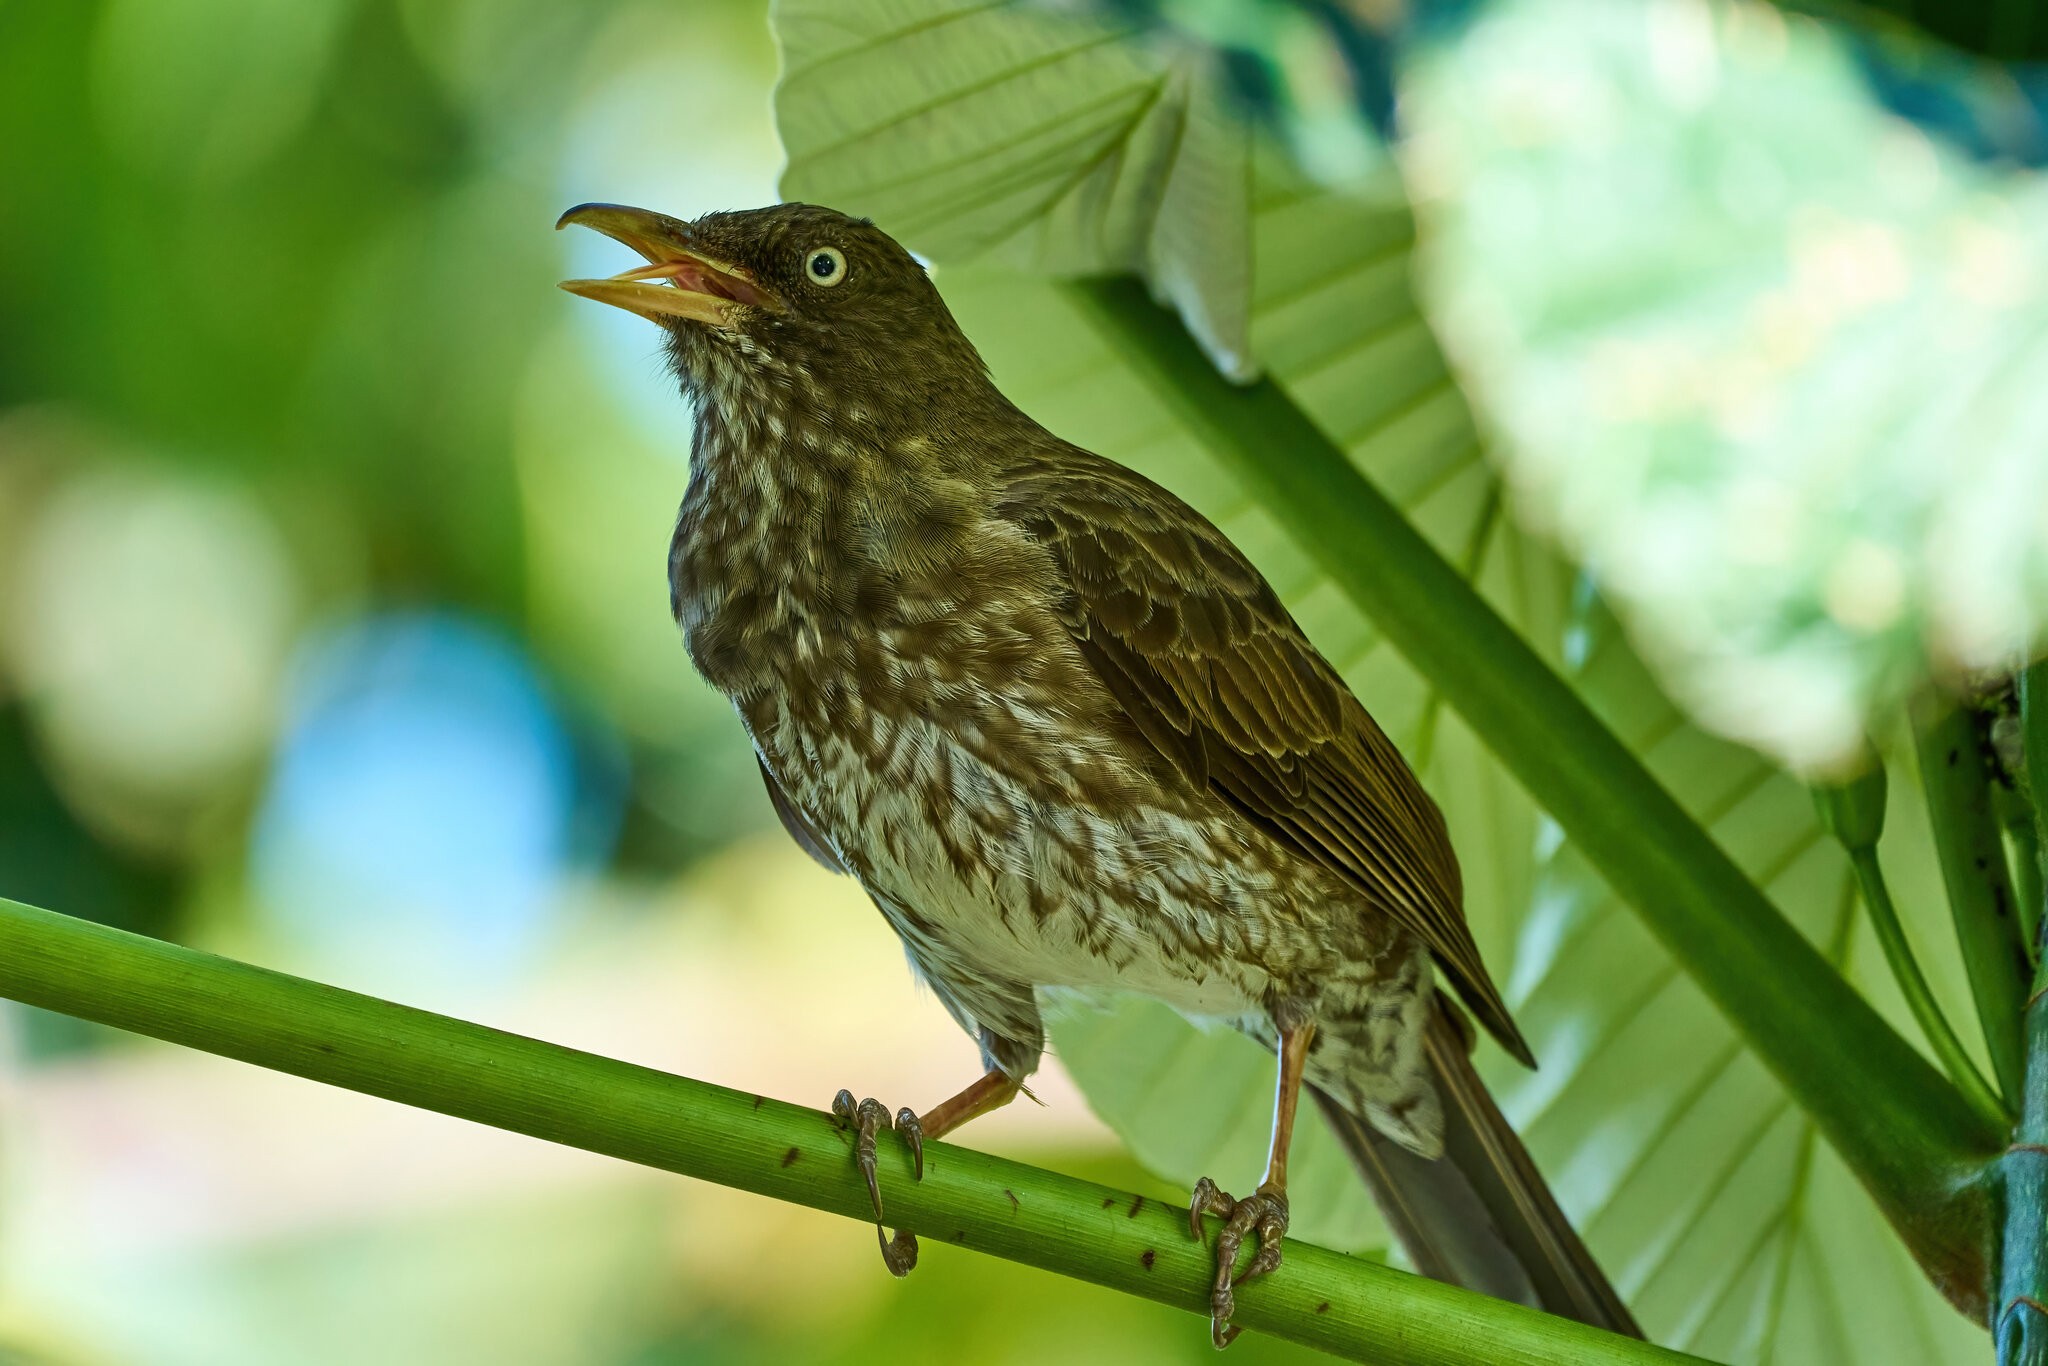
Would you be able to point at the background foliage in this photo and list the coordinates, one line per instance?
(332, 633)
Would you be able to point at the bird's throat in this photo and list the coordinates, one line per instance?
(758, 557)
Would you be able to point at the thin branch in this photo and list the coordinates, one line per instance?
(1853, 812)
(1354, 1308)
(2016, 818)
(1898, 1122)
(1934, 1025)
(1957, 782)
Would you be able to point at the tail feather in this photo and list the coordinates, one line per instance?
(1481, 1216)
(1441, 1224)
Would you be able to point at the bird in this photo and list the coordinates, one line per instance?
(1069, 740)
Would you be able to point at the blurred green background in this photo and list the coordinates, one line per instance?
(333, 634)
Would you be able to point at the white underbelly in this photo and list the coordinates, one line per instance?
(1030, 915)
(990, 882)
(996, 935)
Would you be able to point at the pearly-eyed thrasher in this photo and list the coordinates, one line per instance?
(1067, 737)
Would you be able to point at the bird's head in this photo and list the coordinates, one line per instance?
(763, 302)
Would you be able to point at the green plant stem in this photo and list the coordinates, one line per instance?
(1957, 782)
(2033, 698)
(1354, 1308)
(2027, 884)
(2016, 819)
(2021, 1326)
(1898, 953)
(1902, 1127)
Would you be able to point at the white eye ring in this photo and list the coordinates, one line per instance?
(824, 266)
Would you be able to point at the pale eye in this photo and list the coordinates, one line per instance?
(824, 266)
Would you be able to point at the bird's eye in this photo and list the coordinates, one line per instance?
(824, 266)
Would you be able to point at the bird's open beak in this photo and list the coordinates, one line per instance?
(676, 282)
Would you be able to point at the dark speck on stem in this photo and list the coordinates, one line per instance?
(1137, 1203)
(1147, 1258)
(790, 1156)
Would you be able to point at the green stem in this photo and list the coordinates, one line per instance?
(2016, 819)
(1341, 1304)
(2021, 1325)
(1901, 1126)
(1898, 953)
(1957, 782)
(1853, 812)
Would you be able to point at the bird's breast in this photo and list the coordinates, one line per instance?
(907, 679)
(995, 868)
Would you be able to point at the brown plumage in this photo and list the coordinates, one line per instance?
(1065, 734)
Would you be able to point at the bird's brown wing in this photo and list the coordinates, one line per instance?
(798, 824)
(1215, 673)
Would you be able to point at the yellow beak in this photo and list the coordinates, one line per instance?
(678, 281)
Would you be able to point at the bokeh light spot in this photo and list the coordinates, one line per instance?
(424, 805)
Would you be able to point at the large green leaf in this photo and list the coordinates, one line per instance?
(1783, 391)
(1056, 142)
(1733, 1231)
(1708, 1196)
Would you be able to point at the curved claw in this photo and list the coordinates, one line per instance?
(867, 1118)
(870, 1119)
(899, 1253)
(1263, 1214)
(913, 1134)
(1209, 1198)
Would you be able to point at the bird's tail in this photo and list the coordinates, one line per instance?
(1480, 1216)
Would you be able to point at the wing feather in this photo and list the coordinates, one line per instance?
(1214, 673)
(797, 824)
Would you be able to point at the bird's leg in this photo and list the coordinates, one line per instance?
(1264, 1212)
(991, 1091)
